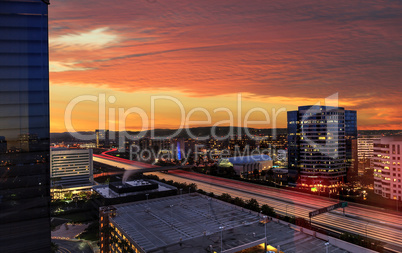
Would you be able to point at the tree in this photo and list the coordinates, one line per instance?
(201, 191)
(267, 210)
(68, 195)
(238, 202)
(270, 175)
(302, 222)
(230, 171)
(226, 197)
(54, 247)
(256, 173)
(193, 187)
(253, 205)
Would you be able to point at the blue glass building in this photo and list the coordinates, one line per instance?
(352, 161)
(24, 127)
(319, 146)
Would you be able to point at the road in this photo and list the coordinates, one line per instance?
(359, 219)
(111, 160)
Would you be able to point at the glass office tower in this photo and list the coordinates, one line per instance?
(352, 162)
(24, 127)
(293, 147)
(320, 146)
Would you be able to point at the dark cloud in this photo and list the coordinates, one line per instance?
(204, 48)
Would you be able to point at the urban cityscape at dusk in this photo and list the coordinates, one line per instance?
(200, 126)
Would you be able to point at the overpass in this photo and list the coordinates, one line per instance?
(134, 166)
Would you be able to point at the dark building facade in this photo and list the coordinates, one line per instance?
(24, 127)
(102, 138)
(320, 146)
(352, 161)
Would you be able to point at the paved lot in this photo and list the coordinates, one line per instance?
(72, 246)
(66, 232)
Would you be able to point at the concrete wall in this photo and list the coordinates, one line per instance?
(349, 246)
(333, 241)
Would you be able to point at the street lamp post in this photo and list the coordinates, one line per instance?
(326, 247)
(265, 228)
(221, 228)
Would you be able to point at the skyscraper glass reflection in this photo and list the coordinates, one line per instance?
(320, 146)
(24, 127)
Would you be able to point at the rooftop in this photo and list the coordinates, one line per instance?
(192, 223)
(107, 191)
(249, 159)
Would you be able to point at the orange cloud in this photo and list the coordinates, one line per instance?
(289, 53)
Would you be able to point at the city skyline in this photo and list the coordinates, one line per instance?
(278, 55)
(182, 126)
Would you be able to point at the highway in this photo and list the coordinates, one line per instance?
(364, 220)
(111, 160)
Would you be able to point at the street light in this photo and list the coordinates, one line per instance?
(326, 247)
(265, 228)
(222, 228)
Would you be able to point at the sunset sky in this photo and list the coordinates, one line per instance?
(277, 54)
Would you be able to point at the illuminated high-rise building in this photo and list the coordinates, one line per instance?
(102, 138)
(71, 168)
(24, 127)
(320, 142)
(386, 162)
(365, 146)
